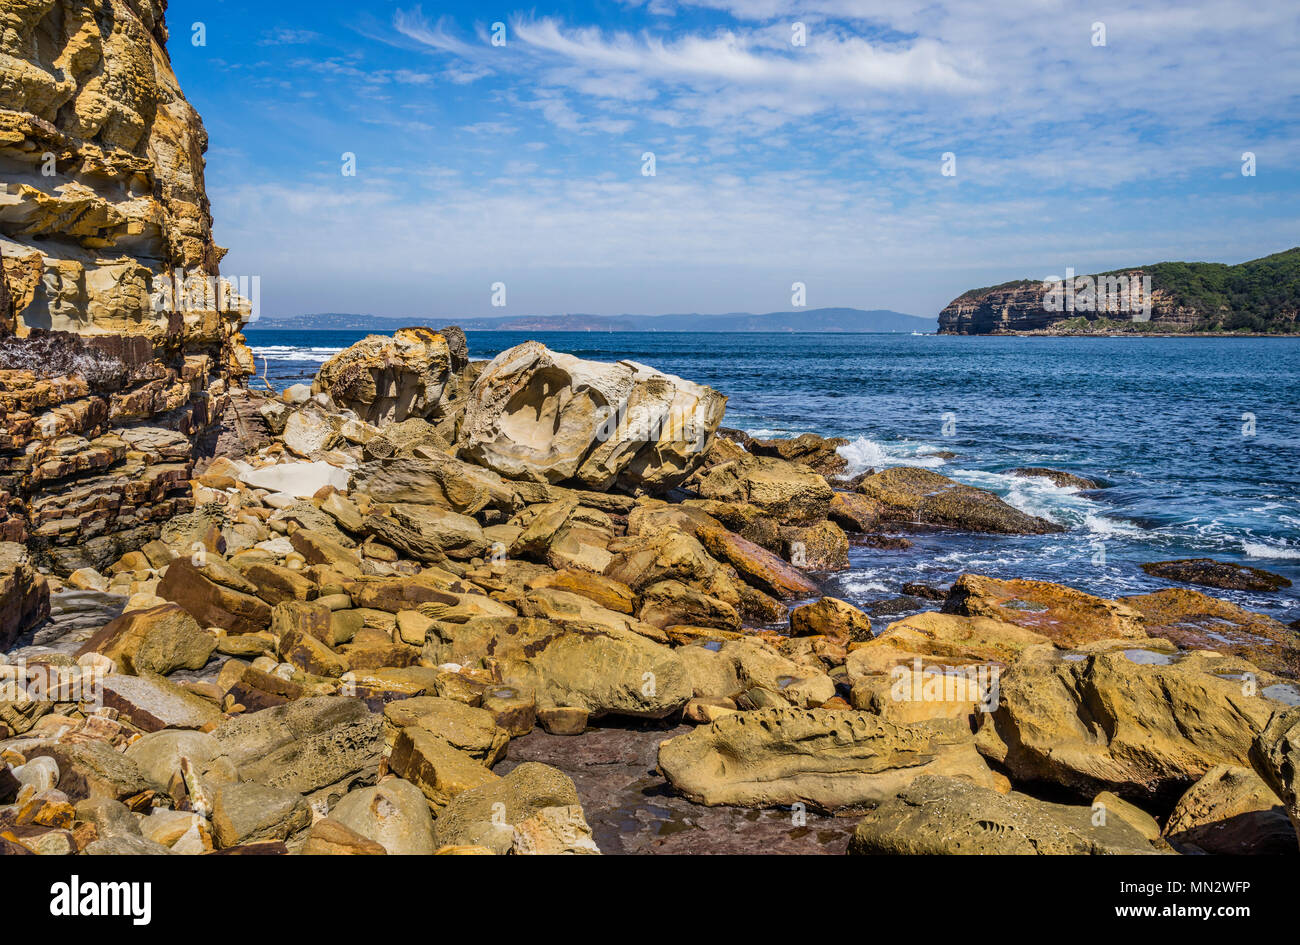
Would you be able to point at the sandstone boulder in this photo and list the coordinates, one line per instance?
(1231, 811)
(301, 480)
(827, 759)
(487, 815)
(1275, 756)
(606, 671)
(1112, 722)
(539, 415)
(831, 617)
(157, 640)
(788, 492)
(942, 640)
(388, 378)
(944, 816)
(438, 769)
(393, 814)
(243, 813)
(436, 479)
(1067, 616)
(24, 594)
(204, 591)
(305, 745)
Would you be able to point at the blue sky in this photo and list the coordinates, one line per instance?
(775, 163)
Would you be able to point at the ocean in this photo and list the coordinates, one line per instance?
(1198, 438)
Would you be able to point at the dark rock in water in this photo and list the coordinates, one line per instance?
(916, 589)
(923, 497)
(892, 606)
(1221, 574)
(883, 542)
(1058, 477)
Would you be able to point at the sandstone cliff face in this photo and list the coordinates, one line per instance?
(108, 374)
(1020, 306)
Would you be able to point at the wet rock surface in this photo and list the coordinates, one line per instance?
(632, 810)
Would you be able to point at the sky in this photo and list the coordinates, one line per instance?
(883, 154)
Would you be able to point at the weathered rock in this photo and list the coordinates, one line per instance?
(824, 758)
(115, 316)
(831, 617)
(672, 602)
(329, 837)
(789, 493)
(305, 745)
(606, 671)
(24, 594)
(1231, 811)
(155, 640)
(388, 378)
(301, 480)
(126, 846)
(1275, 756)
(922, 496)
(819, 547)
(855, 512)
(428, 533)
(600, 590)
(543, 416)
(487, 815)
(435, 767)
(917, 693)
(308, 432)
(436, 479)
(199, 590)
(817, 453)
(247, 812)
(471, 730)
(554, 831)
(1107, 722)
(756, 564)
(276, 584)
(943, 816)
(942, 640)
(153, 703)
(393, 814)
(90, 769)
(109, 817)
(1067, 616)
(158, 756)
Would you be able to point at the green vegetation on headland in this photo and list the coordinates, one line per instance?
(1260, 296)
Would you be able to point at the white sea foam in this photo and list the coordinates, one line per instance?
(864, 454)
(1259, 549)
(316, 354)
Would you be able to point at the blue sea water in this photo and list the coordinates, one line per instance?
(1199, 438)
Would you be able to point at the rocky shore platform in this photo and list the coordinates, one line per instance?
(546, 605)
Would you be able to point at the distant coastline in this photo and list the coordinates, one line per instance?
(838, 320)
